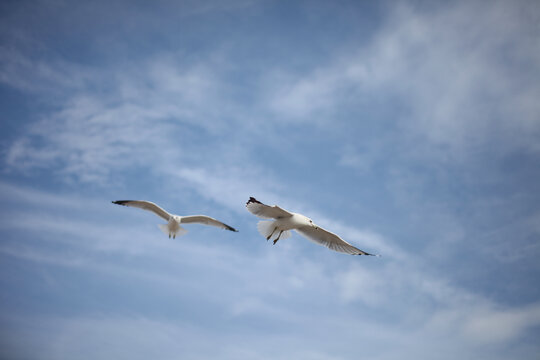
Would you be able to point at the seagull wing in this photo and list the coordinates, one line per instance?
(330, 240)
(145, 205)
(206, 220)
(265, 211)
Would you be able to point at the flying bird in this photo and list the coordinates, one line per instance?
(284, 221)
(173, 228)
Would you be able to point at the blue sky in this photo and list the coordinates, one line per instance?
(411, 129)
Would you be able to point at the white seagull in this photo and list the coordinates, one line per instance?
(173, 228)
(285, 221)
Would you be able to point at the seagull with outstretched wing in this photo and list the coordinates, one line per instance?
(284, 221)
(173, 228)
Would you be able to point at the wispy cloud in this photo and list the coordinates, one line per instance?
(483, 326)
(206, 125)
(37, 76)
(92, 136)
(453, 99)
(454, 89)
(398, 287)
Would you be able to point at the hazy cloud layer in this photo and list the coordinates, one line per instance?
(410, 130)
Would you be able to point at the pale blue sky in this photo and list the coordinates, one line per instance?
(410, 128)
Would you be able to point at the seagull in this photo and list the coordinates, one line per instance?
(285, 221)
(173, 228)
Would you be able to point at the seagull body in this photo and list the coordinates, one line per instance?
(284, 221)
(173, 228)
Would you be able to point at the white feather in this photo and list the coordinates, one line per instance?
(179, 232)
(285, 234)
(164, 228)
(265, 227)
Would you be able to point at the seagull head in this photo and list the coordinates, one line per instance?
(304, 220)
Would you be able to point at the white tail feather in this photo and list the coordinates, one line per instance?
(285, 235)
(265, 227)
(179, 232)
(164, 228)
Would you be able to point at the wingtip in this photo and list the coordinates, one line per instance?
(253, 200)
(230, 228)
(367, 254)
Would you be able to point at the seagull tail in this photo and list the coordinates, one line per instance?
(285, 235)
(265, 227)
(165, 228)
(181, 231)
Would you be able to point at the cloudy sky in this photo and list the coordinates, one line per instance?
(410, 128)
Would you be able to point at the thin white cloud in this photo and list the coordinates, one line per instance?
(26, 196)
(137, 121)
(474, 319)
(32, 75)
(89, 140)
(463, 87)
(457, 91)
(94, 136)
(457, 69)
(298, 99)
(485, 325)
(105, 337)
(284, 286)
(230, 187)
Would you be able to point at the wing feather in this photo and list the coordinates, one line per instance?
(206, 220)
(265, 211)
(145, 205)
(330, 240)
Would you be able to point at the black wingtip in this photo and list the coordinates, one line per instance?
(120, 202)
(229, 227)
(253, 200)
(368, 254)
